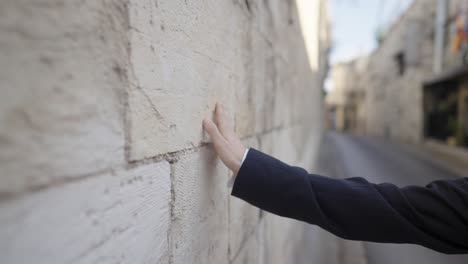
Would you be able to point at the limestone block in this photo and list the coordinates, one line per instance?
(272, 60)
(199, 230)
(264, 84)
(185, 56)
(280, 144)
(314, 245)
(307, 140)
(120, 217)
(62, 83)
(290, 241)
(244, 105)
(255, 100)
(251, 251)
(287, 35)
(281, 85)
(243, 217)
(277, 240)
(282, 104)
(297, 146)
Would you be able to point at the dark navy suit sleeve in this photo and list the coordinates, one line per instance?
(434, 216)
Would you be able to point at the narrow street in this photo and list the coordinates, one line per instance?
(381, 161)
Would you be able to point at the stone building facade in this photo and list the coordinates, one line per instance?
(102, 154)
(396, 72)
(410, 73)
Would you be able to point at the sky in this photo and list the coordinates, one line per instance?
(355, 23)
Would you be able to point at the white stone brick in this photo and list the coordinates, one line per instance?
(315, 245)
(182, 64)
(261, 103)
(243, 217)
(263, 84)
(281, 88)
(280, 144)
(199, 230)
(121, 217)
(278, 239)
(296, 145)
(65, 116)
(251, 252)
(62, 83)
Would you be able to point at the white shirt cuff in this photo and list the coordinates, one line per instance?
(245, 155)
(233, 178)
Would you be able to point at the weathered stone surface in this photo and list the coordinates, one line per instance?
(251, 94)
(279, 81)
(296, 145)
(313, 243)
(121, 217)
(243, 217)
(199, 230)
(244, 220)
(96, 93)
(182, 63)
(393, 100)
(62, 83)
(252, 249)
(180, 69)
(280, 144)
(279, 246)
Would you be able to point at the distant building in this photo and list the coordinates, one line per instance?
(416, 86)
(396, 71)
(446, 94)
(345, 103)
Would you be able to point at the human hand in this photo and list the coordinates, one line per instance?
(226, 143)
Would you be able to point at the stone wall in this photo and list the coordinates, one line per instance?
(394, 99)
(102, 154)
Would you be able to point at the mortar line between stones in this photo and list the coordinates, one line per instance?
(174, 156)
(172, 215)
(129, 74)
(170, 157)
(8, 196)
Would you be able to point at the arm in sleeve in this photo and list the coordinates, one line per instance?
(435, 216)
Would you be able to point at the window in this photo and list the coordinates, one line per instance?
(400, 63)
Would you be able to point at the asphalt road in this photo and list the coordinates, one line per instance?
(380, 161)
